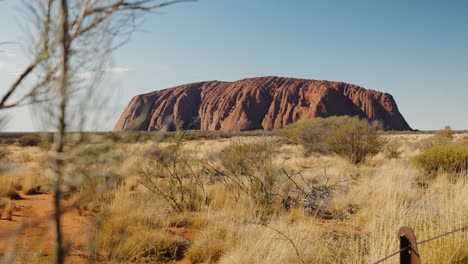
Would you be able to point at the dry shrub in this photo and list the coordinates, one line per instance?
(251, 168)
(168, 173)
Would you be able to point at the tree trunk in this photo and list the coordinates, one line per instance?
(60, 136)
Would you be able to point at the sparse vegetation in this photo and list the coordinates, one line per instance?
(253, 199)
(447, 158)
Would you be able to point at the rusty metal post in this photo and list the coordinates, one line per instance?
(408, 242)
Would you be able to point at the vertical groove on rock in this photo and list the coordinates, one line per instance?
(257, 103)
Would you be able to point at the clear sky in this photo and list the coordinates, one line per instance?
(415, 50)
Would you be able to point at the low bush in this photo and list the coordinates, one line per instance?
(180, 186)
(354, 139)
(314, 134)
(349, 137)
(243, 158)
(250, 168)
(29, 140)
(447, 158)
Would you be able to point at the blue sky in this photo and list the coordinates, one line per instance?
(415, 50)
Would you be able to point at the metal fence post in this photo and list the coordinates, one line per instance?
(410, 254)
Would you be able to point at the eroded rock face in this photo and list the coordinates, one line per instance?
(257, 103)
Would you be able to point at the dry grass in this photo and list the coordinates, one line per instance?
(369, 203)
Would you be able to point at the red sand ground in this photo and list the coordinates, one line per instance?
(35, 241)
(29, 236)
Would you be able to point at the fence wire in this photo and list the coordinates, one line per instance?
(421, 242)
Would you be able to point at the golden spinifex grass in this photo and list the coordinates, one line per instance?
(319, 208)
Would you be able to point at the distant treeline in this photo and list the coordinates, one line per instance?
(141, 136)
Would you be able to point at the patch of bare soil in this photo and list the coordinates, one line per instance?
(187, 233)
(30, 237)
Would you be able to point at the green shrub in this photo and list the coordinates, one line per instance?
(355, 139)
(29, 140)
(350, 137)
(447, 158)
(313, 135)
(243, 158)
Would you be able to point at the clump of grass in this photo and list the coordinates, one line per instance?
(9, 186)
(211, 243)
(123, 241)
(133, 228)
(278, 242)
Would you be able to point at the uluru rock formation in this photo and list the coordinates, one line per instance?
(257, 103)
